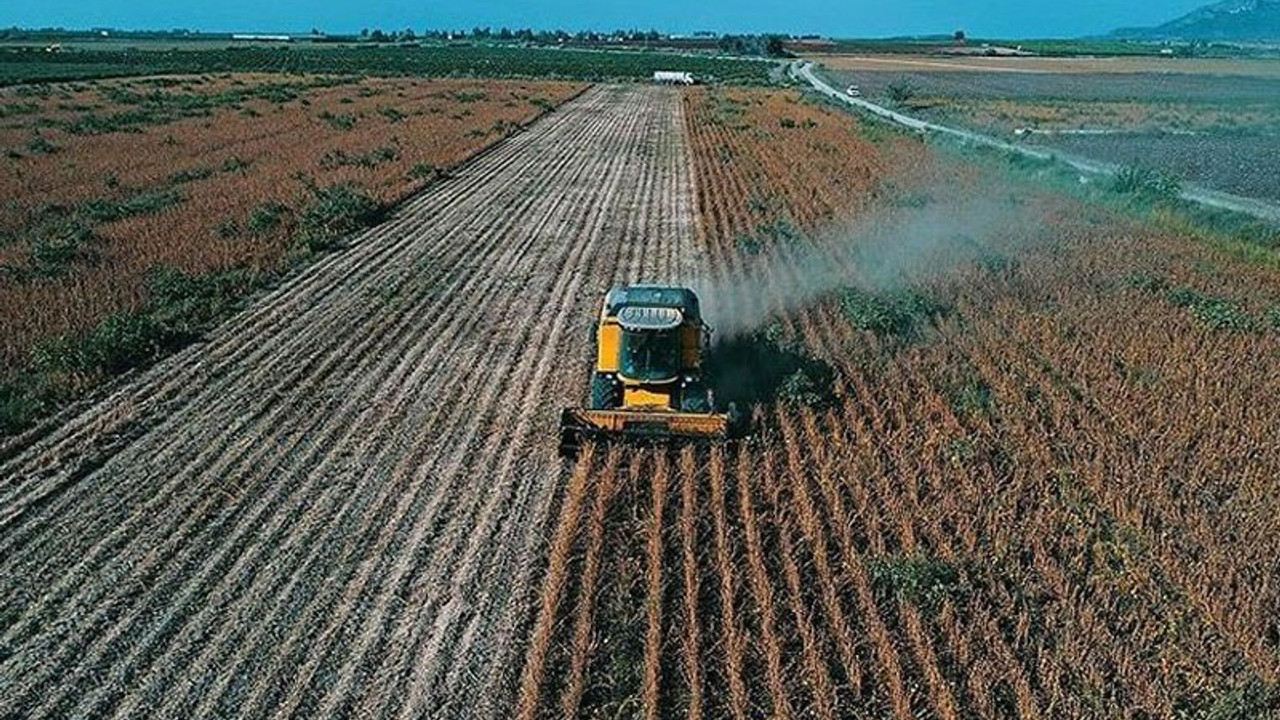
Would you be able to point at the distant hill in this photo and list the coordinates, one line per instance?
(1231, 20)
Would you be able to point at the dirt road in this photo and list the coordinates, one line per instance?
(335, 506)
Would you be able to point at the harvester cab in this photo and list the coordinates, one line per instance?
(648, 381)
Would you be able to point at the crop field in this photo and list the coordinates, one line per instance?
(994, 492)
(1209, 122)
(1012, 455)
(112, 188)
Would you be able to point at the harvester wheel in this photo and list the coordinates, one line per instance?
(605, 392)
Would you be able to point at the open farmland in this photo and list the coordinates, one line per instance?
(1013, 456)
(121, 193)
(1211, 122)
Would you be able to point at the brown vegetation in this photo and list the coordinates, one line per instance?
(1053, 500)
(206, 175)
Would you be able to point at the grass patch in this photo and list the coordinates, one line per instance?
(900, 313)
(1212, 311)
(334, 212)
(267, 217)
(1142, 194)
(144, 203)
(340, 121)
(918, 579)
(339, 158)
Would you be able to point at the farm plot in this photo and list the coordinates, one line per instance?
(1031, 477)
(126, 200)
(335, 506)
(1212, 129)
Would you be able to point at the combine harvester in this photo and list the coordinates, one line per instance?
(648, 382)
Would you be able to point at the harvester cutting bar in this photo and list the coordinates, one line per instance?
(578, 425)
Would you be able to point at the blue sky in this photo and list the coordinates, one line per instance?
(860, 18)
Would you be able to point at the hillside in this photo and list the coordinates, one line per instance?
(1231, 20)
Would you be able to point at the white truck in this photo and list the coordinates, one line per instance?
(672, 77)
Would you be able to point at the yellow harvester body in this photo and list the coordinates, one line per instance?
(648, 380)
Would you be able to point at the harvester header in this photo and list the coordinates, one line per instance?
(649, 377)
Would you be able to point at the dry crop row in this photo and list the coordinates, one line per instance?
(1056, 499)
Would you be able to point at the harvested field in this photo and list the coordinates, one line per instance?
(1241, 163)
(336, 505)
(1214, 130)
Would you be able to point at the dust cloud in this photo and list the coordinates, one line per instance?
(924, 236)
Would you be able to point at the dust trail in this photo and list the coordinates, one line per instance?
(925, 236)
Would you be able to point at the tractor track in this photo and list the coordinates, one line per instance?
(337, 504)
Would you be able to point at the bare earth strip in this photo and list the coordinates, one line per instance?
(336, 506)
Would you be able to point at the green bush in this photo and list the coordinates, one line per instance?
(801, 389)
(267, 217)
(1246, 701)
(40, 145)
(57, 244)
(971, 396)
(1148, 282)
(896, 313)
(1214, 312)
(901, 91)
(235, 164)
(186, 176)
(423, 171)
(338, 122)
(336, 211)
(1146, 183)
(340, 158)
(921, 580)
